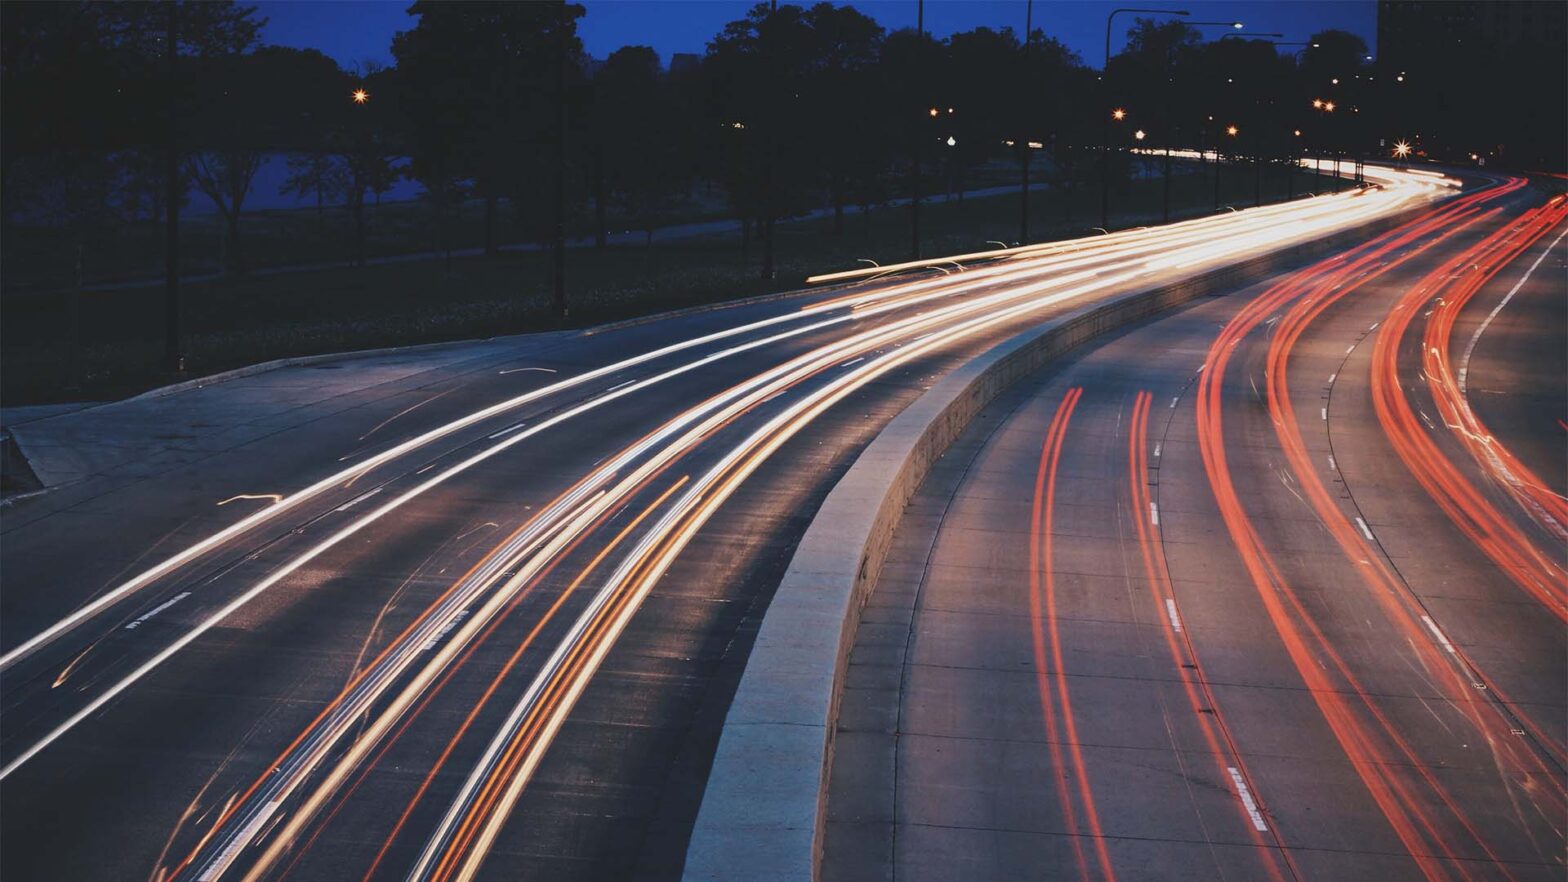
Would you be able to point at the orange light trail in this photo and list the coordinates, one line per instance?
(1201, 700)
(1306, 645)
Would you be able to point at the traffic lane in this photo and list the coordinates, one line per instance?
(1250, 671)
(803, 343)
(1519, 647)
(940, 285)
(282, 658)
(308, 680)
(974, 756)
(459, 396)
(1517, 373)
(287, 435)
(375, 481)
(1341, 607)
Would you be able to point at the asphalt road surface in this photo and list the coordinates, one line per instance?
(485, 615)
(1247, 591)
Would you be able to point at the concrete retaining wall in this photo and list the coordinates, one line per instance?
(762, 812)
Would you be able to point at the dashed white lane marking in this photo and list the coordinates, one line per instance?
(853, 361)
(506, 431)
(1170, 609)
(1350, 349)
(1247, 801)
(1174, 400)
(1436, 632)
(620, 385)
(240, 841)
(157, 609)
(1325, 413)
(1332, 377)
(1364, 531)
(1156, 449)
(445, 630)
(357, 500)
(1331, 466)
(1154, 512)
(520, 370)
(1374, 325)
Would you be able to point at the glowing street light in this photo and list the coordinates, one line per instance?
(1401, 149)
(952, 141)
(1118, 114)
(1328, 106)
(934, 112)
(360, 96)
(1140, 134)
(1232, 131)
(1317, 103)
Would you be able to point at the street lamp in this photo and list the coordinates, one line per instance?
(1232, 131)
(1118, 114)
(1140, 134)
(1401, 149)
(1105, 127)
(360, 96)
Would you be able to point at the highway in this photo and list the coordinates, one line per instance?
(484, 622)
(1269, 587)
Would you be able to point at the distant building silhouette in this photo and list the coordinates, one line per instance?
(1469, 76)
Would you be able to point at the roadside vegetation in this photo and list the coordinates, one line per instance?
(800, 129)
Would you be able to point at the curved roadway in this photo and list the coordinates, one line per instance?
(1248, 591)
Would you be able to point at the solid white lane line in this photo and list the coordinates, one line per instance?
(1464, 360)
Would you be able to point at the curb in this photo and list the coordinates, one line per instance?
(763, 809)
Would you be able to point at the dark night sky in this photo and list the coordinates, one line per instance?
(361, 30)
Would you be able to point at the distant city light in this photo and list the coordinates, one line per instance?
(1140, 134)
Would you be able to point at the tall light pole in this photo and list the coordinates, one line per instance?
(920, 134)
(174, 359)
(1023, 140)
(1105, 124)
(769, 136)
(561, 44)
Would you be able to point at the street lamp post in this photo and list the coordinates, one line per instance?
(174, 359)
(920, 134)
(1105, 125)
(1023, 141)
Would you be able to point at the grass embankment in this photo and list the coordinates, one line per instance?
(241, 319)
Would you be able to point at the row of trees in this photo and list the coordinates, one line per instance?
(790, 109)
